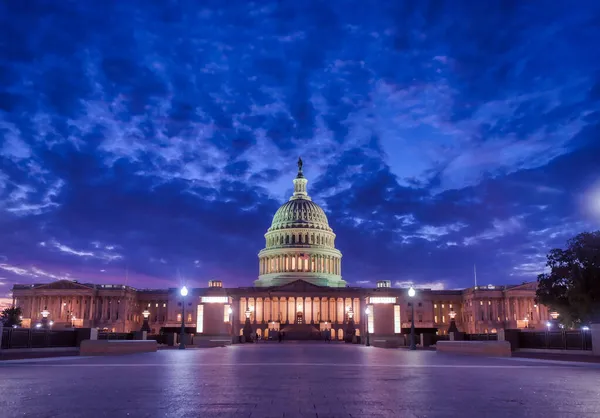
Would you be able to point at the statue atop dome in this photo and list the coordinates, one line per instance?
(300, 164)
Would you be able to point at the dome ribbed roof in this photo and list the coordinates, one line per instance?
(297, 212)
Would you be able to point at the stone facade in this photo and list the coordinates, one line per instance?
(119, 308)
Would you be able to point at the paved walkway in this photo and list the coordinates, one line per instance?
(297, 380)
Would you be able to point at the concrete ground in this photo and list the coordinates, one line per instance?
(297, 380)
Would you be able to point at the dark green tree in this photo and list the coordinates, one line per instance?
(572, 287)
(11, 316)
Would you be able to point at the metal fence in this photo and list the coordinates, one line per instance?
(481, 337)
(558, 340)
(159, 338)
(115, 336)
(34, 338)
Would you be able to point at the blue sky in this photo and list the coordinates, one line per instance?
(151, 142)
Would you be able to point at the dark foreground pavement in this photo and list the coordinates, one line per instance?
(297, 380)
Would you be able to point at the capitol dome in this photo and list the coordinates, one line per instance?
(300, 244)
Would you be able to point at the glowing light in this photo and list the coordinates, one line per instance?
(184, 291)
(38, 325)
(452, 314)
(214, 299)
(554, 315)
(411, 292)
(230, 311)
(367, 311)
(584, 328)
(381, 299)
(146, 314)
(45, 313)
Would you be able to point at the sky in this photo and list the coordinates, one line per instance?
(150, 143)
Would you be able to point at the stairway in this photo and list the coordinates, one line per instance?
(301, 332)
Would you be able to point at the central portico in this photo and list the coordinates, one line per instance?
(300, 245)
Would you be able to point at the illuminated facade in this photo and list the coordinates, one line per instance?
(300, 244)
(299, 291)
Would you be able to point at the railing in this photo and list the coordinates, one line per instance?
(557, 340)
(115, 336)
(34, 338)
(481, 337)
(159, 338)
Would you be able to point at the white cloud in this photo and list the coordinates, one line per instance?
(32, 272)
(500, 228)
(22, 201)
(105, 253)
(13, 146)
(419, 142)
(429, 285)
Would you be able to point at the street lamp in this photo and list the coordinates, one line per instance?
(184, 293)
(230, 312)
(248, 326)
(145, 325)
(350, 325)
(411, 294)
(45, 314)
(453, 328)
(367, 313)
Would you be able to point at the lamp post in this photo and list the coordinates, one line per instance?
(248, 326)
(230, 311)
(145, 325)
(367, 313)
(45, 314)
(452, 327)
(183, 293)
(350, 326)
(411, 294)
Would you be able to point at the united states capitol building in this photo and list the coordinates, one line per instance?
(299, 290)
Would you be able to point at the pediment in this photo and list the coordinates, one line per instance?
(63, 285)
(298, 286)
(531, 286)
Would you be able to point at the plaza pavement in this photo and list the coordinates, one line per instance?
(297, 380)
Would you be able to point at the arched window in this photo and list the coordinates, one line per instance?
(340, 334)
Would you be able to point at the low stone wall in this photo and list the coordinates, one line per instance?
(212, 340)
(115, 347)
(483, 348)
(382, 342)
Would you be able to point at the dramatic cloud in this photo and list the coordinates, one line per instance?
(154, 150)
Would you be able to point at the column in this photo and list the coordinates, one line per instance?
(304, 308)
(284, 310)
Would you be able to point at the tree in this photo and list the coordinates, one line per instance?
(11, 316)
(572, 288)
